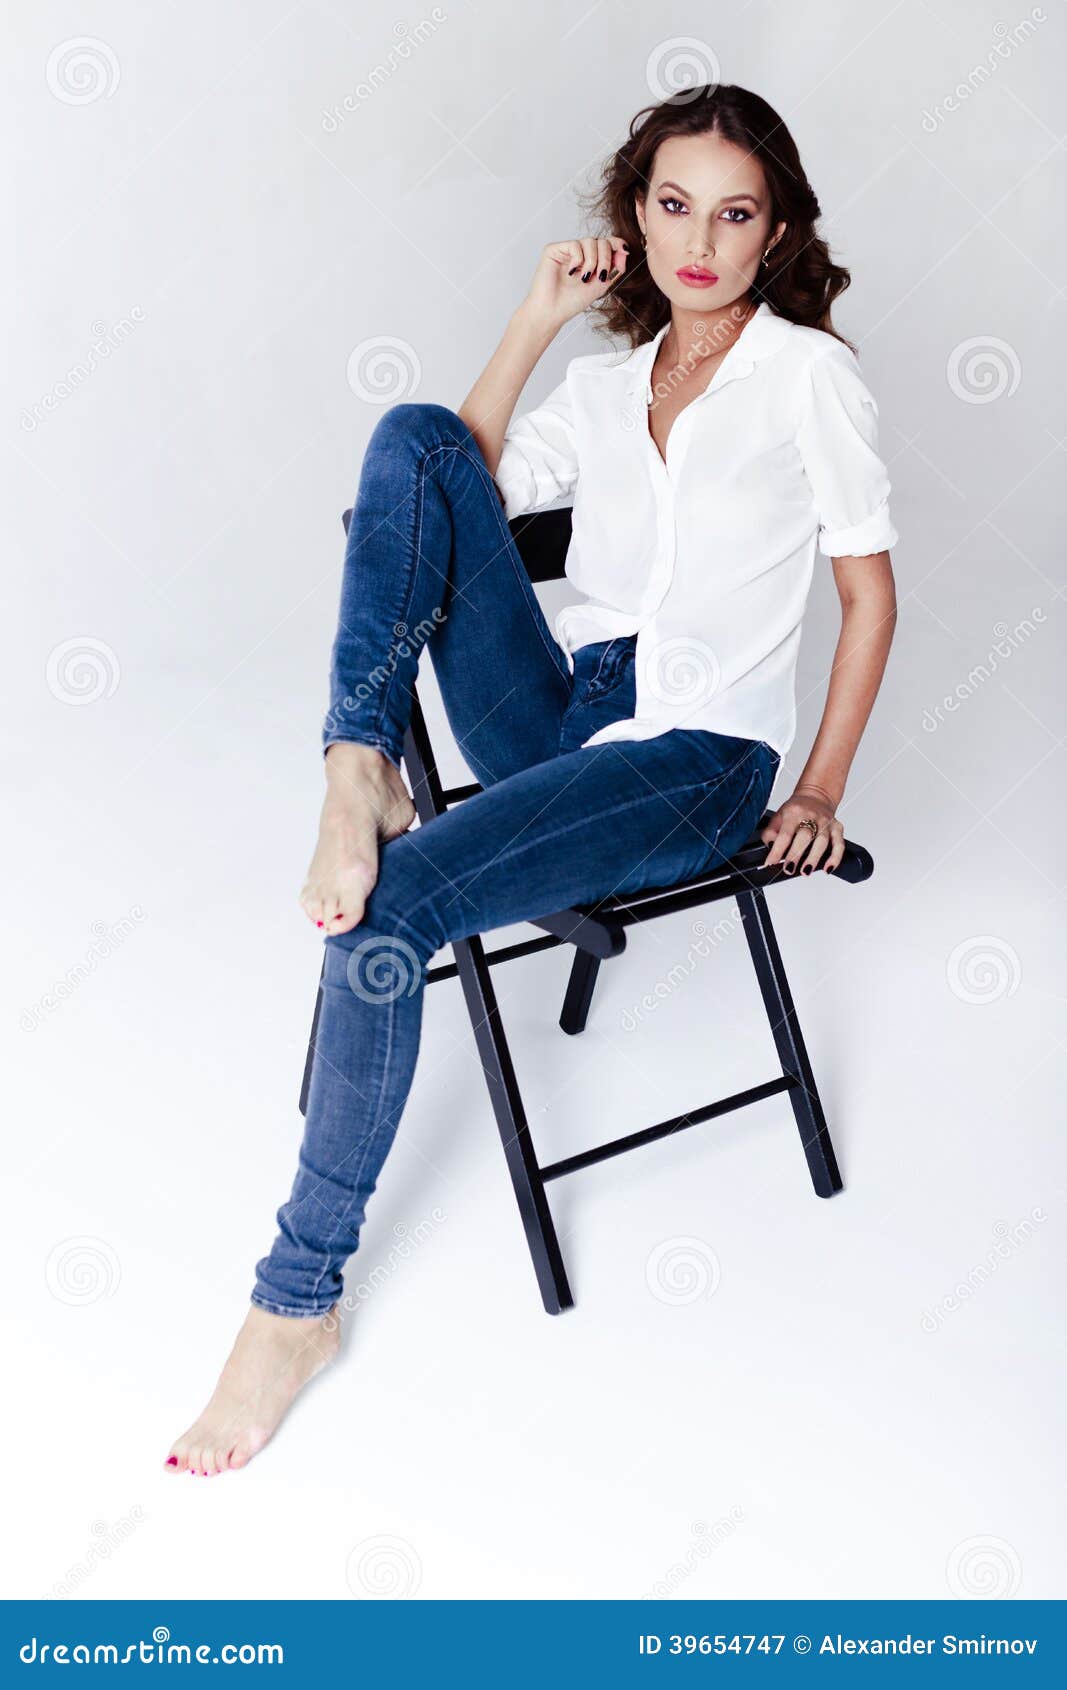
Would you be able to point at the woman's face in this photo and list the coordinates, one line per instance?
(707, 206)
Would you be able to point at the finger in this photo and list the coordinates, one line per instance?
(815, 852)
(603, 257)
(782, 841)
(574, 265)
(837, 847)
(793, 848)
(588, 270)
(799, 849)
(620, 253)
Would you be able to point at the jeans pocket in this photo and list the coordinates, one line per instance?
(733, 803)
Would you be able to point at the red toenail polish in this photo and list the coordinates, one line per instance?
(172, 1461)
(318, 924)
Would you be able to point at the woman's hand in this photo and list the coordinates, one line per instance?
(791, 842)
(558, 292)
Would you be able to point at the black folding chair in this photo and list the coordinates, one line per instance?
(597, 932)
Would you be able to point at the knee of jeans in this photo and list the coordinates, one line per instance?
(425, 423)
(400, 928)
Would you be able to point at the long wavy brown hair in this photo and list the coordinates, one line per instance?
(800, 280)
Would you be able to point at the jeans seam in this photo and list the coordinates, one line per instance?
(375, 1115)
(287, 1308)
(601, 815)
(732, 817)
(510, 549)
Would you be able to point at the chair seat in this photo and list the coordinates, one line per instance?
(597, 927)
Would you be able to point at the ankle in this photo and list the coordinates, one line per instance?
(347, 761)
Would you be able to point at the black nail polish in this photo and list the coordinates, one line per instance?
(807, 868)
(587, 275)
(603, 275)
(571, 272)
(829, 868)
(788, 867)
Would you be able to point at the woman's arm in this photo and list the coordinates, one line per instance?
(570, 276)
(489, 405)
(868, 620)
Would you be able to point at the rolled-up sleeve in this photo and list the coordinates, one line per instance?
(539, 459)
(838, 443)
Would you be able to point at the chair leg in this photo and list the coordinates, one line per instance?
(579, 995)
(511, 1119)
(781, 1012)
(310, 1058)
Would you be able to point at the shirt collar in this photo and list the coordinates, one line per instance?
(762, 334)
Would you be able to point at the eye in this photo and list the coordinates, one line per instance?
(669, 202)
(743, 217)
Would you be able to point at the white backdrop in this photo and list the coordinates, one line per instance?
(217, 208)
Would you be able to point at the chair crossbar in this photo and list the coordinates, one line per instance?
(677, 1123)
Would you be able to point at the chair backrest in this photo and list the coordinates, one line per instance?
(541, 540)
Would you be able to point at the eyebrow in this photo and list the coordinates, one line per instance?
(687, 195)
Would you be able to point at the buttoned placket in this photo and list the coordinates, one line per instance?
(666, 476)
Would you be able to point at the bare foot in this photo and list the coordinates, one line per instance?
(366, 801)
(272, 1357)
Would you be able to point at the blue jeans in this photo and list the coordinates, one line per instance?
(430, 560)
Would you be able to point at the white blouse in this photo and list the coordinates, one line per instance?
(707, 558)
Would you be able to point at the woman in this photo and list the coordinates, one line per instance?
(638, 743)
